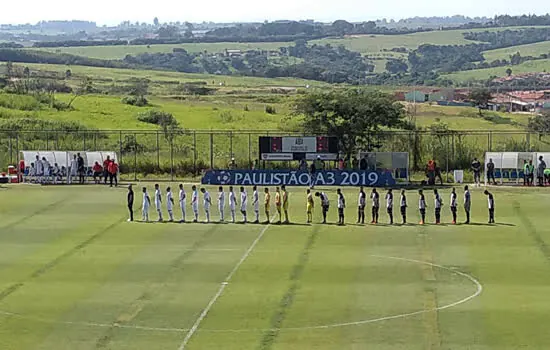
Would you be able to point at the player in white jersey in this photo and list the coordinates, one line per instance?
(438, 203)
(32, 173)
(145, 206)
(221, 203)
(389, 205)
(454, 204)
(244, 203)
(56, 173)
(158, 202)
(72, 169)
(361, 204)
(325, 204)
(256, 204)
(422, 206)
(207, 203)
(467, 204)
(341, 207)
(403, 205)
(46, 166)
(232, 203)
(170, 204)
(182, 199)
(39, 169)
(195, 203)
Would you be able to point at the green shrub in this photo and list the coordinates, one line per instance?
(270, 109)
(138, 101)
(157, 117)
(19, 102)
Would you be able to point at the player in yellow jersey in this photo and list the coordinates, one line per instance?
(267, 201)
(285, 203)
(310, 206)
(278, 203)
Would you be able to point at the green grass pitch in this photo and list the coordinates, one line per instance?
(75, 275)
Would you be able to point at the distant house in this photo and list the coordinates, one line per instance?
(233, 53)
(417, 96)
(399, 96)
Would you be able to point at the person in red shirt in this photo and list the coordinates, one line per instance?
(106, 173)
(98, 171)
(113, 171)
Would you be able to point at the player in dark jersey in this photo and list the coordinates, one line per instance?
(130, 200)
(491, 206)
(422, 206)
(403, 205)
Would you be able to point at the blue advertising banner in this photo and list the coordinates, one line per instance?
(298, 178)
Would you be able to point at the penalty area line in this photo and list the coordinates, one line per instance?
(223, 285)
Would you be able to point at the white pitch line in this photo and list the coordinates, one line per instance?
(203, 314)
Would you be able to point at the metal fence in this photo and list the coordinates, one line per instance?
(184, 153)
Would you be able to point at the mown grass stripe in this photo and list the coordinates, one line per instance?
(270, 335)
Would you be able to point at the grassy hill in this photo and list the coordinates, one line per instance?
(481, 74)
(535, 50)
(119, 52)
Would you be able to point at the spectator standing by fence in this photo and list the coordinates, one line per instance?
(130, 199)
(113, 170)
(491, 171)
(81, 170)
(106, 163)
(540, 171)
(476, 168)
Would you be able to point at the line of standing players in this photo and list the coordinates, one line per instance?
(282, 204)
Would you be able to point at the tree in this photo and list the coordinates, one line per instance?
(27, 72)
(156, 21)
(85, 87)
(140, 88)
(351, 115)
(168, 32)
(9, 70)
(68, 74)
(540, 123)
(481, 98)
(509, 71)
(396, 66)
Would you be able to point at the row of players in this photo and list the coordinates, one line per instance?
(282, 204)
(41, 171)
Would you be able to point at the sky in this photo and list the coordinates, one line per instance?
(111, 12)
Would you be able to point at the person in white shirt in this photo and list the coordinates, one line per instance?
(56, 173)
(454, 204)
(244, 203)
(221, 203)
(46, 166)
(256, 204)
(145, 206)
(195, 203)
(389, 205)
(403, 205)
(438, 203)
(32, 173)
(232, 203)
(467, 204)
(182, 199)
(72, 170)
(170, 204)
(375, 205)
(207, 203)
(39, 169)
(422, 206)
(325, 204)
(158, 202)
(361, 204)
(341, 207)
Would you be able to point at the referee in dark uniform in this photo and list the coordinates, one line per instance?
(131, 203)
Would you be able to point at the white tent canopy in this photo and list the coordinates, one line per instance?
(63, 159)
(508, 165)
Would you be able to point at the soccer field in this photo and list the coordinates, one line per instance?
(75, 275)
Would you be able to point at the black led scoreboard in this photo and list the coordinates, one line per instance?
(298, 148)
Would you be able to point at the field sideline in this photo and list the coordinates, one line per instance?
(75, 275)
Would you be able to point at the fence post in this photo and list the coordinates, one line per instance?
(17, 145)
(120, 147)
(528, 141)
(57, 140)
(135, 157)
(249, 149)
(231, 145)
(211, 150)
(194, 152)
(447, 157)
(84, 142)
(489, 141)
(171, 158)
(47, 140)
(158, 151)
